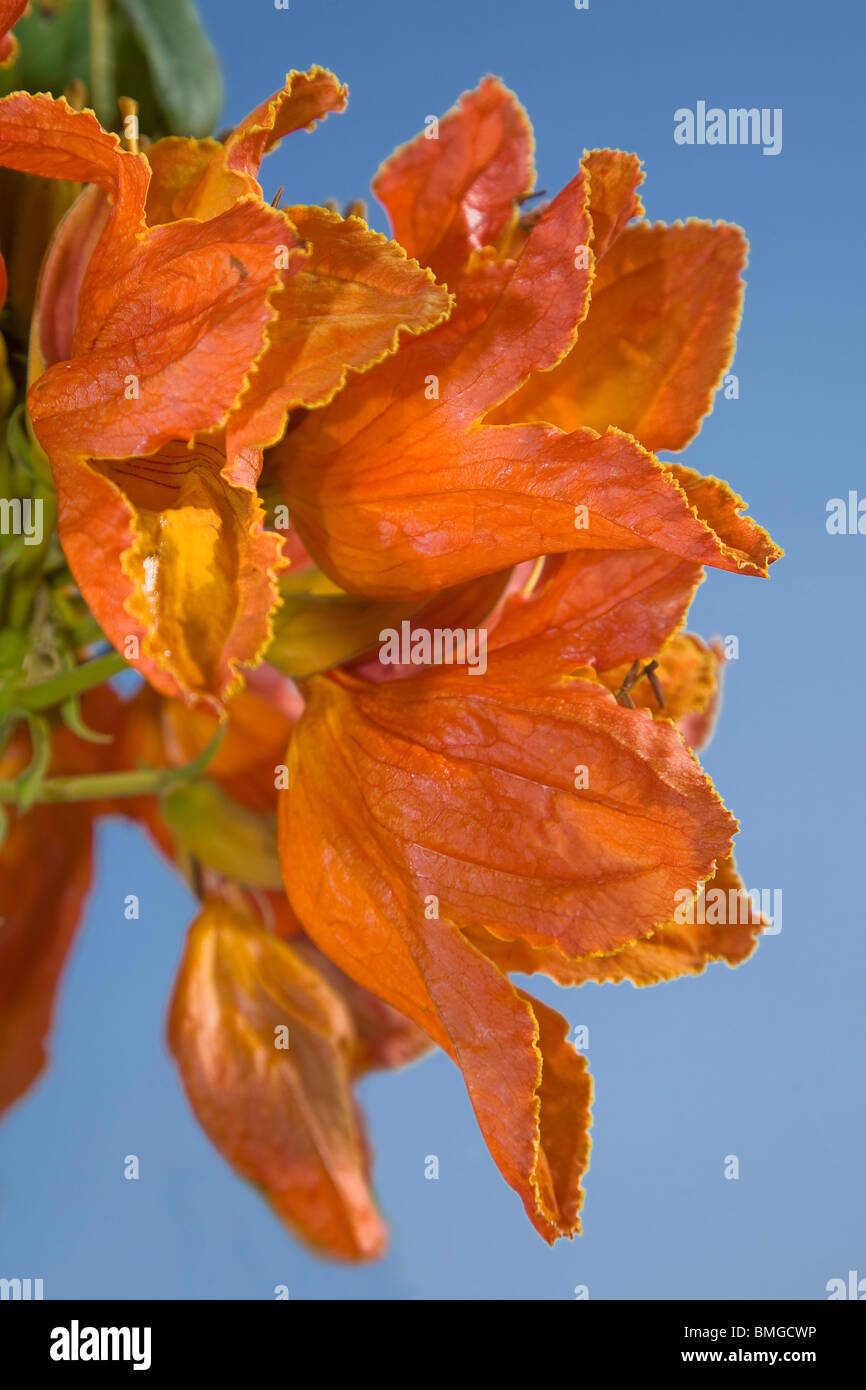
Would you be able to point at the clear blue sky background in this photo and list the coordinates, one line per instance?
(764, 1062)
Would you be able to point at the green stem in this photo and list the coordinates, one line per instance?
(97, 786)
(100, 63)
(59, 688)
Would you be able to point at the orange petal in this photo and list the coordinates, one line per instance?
(596, 608)
(195, 571)
(673, 949)
(396, 490)
(168, 323)
(582, 867)
(533, 324)
(158, 308)
(396, 516)
(683, 948)
(45, 873)
(386, 1037)
(40, 135)
(614, 178)
(535, 320)
(60, 281)
(283, 1117)
(658, 339)
(190, 178)
(349, 889)
(697, 726)
(455, 193)
(344, 308)
(720, 508)
(162, 349)
(306, 98)
(424, 808)
(258, 725)
(10, 13)
(564, 1119)
(529, 1090)
(202, 178)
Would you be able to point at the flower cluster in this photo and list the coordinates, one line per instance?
(268, 434)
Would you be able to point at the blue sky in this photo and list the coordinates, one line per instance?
(763, 1062)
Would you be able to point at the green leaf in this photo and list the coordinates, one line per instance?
(158, 55)
(183, 67)
(54, 49)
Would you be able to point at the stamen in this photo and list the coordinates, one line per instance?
(128, 108)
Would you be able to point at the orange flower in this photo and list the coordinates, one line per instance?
(269, 1035)
(436, 834)
(435, 837)
(427, 834)
(180, 318)
(268, 1050)
(426, 473)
